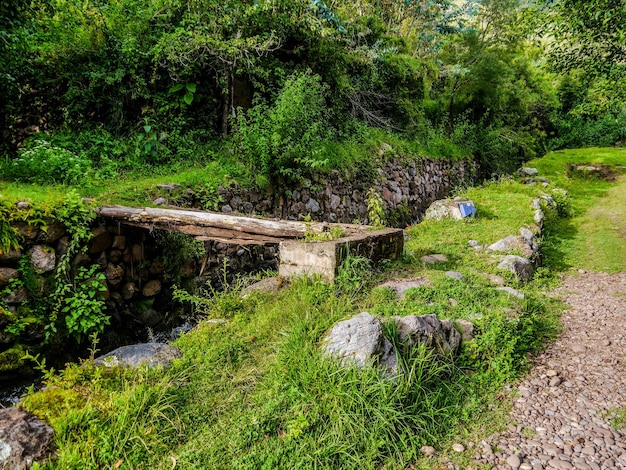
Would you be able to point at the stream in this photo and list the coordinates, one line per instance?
(11, 392)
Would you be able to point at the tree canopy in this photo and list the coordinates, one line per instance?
(156, 81)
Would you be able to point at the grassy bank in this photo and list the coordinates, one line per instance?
(254, 391)
(48, 169)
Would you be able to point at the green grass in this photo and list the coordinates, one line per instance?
(135, 188)
(597, 231)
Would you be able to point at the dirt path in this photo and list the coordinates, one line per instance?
(563, 405)
(564, 408)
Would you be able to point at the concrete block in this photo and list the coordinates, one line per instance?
(325, 257)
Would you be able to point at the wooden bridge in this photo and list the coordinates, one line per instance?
(297, 256)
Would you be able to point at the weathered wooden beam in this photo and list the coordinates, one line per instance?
(208, 233)
(210, 224)
(232, 241)
(165, 218)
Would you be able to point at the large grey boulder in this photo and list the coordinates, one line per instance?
(134, 355)
(428, 330)
(521, 267)
(357, 341)
(24, 439)
(360, 341)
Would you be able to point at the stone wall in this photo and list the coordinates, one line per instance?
(406, 187)
(140, 267)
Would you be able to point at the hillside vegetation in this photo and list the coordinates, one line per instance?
(107, 98)
(103, 95)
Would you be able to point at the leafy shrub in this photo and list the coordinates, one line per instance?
(574, 131)
(84, 307)
(43, 163)
(283, 141)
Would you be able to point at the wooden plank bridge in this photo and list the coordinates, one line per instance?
(296, 256)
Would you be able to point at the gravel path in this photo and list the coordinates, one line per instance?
(561, 411)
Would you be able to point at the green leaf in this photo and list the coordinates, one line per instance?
(188, 98)
(191, 87)
(176, 88)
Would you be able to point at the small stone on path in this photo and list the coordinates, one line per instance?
(513, 461)
(555, 382)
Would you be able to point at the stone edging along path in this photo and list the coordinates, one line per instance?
(563, 410)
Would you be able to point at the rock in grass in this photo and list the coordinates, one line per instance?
(169, 187)
(264, 286)
(466, 328)
(458, 447)
(454, 275)
(24, 439)
(357, 341)
(512, 243)
(360, 341)
(400, 286)
(428, 451)
(152, 354)
(521, 267)
(434, 259)
(511, 291)
(458, 209)
(429, 330)
(528, 171)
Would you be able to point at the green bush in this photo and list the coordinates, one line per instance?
(573, 131)
(284, 140)
(44, 163)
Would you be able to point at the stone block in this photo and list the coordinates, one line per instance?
(324, 257)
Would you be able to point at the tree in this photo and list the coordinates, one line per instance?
(587, 34)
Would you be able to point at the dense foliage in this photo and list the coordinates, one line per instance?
(101, 86)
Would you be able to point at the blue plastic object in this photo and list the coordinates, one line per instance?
(467, 209)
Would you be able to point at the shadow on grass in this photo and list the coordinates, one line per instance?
(557, 235)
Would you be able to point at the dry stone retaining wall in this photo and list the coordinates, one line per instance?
(139, 281)
(407, 188)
